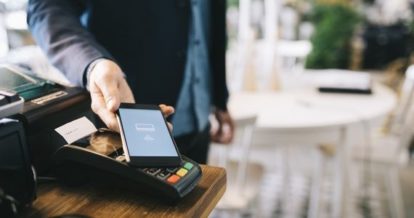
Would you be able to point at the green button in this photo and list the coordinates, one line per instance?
(188, 166)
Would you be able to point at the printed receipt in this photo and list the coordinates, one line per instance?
(76, 129)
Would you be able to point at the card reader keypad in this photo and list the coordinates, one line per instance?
(172, 170)
(163, 175)
(170, 175)
(152, 171)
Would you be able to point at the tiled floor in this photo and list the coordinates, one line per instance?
(286, 194)
(406, 178)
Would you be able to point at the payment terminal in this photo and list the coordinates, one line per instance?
(100, 157)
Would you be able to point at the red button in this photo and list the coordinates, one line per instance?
(173, 179)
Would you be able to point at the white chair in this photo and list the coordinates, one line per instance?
(242, 177)
(391, 147)
(389, 151)
(406, 100)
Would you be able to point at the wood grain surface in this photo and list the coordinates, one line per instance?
(55, 200)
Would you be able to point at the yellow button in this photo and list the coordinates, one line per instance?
(181, 172)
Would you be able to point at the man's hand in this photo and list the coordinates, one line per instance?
(225, 131)
(108, 89)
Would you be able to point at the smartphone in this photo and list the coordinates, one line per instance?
(146, 138)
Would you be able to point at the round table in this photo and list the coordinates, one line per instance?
(310, 109)
(308, 116)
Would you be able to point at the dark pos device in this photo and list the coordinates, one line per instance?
(146, 139)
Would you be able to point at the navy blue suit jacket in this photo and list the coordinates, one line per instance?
(147, 38)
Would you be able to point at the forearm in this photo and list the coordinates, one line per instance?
(218, 54)
(56, 27)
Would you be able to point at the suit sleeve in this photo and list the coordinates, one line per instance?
(218, 53)
(56, 27)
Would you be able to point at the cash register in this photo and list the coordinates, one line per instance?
(42, 106)
(30, 109)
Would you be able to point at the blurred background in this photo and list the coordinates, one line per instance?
(321, 92)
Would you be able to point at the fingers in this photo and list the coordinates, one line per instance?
(126, 92)
(106, 77)
(166, 110)
(98, 107)
(105, 88)
(170, 126)
(110, 91)
(217, 135)
(225, 131)
(223, 137)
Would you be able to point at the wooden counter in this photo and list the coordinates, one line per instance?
(92, 201)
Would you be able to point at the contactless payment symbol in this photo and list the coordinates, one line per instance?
(144, 127)
(148, 138)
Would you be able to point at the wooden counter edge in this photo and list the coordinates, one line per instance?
(214, 195)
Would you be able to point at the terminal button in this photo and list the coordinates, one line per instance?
(173, 179)
(153, 171)
(163, 174)
(181, 172)
(172, 170)
(188, 166)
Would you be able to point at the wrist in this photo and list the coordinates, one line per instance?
(103, 68)
(220, 109)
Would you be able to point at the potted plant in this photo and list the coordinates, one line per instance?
(335, 23)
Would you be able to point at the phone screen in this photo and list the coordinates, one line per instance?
(146, 133)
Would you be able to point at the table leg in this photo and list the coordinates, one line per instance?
(317, 179)
(286, 178)
(341, 176)
(395, 192)
(244, 161)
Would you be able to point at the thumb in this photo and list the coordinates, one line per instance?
(111, 94)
